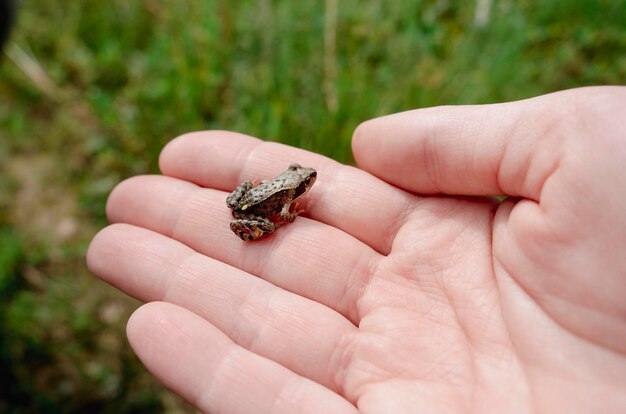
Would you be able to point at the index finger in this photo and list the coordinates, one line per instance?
(344, 197)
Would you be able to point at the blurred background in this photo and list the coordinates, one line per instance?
(91, 90)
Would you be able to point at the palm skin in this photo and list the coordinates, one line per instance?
(381, 300)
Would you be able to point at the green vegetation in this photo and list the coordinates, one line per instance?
(92, 90)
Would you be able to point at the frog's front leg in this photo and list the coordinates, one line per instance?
(232, 201)
(252, 228)
(290, 216)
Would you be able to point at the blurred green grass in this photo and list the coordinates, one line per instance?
(91, 91)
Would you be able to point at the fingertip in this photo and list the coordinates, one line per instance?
(136, 322)
(110, 252)
(358, 138)
(160, 325)
(390, 147)
(94, 258)
(142, 322)
(112, 201)
(173, 151)
(191, 156)
(119, 203)
(103, 252)
(170, 340)
(146, 328)
(366, 149)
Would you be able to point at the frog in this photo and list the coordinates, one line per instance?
(258, 210)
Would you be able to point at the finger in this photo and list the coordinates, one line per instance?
(501, 149)
(197, 361)
(296, 332)
(306, 257)
(343, 197)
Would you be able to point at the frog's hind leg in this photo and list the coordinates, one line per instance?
(232, 200)
(251, 229)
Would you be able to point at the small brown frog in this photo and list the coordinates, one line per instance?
(259, 210)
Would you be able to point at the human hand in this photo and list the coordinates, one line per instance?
(381, 300)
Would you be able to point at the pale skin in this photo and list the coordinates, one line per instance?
(395, 291)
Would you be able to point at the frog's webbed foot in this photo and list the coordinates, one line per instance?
(290, 216)
(251, 229)
(232, 201)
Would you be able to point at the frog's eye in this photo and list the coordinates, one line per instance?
(245, 207)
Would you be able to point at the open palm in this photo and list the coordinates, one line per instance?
(380, 300)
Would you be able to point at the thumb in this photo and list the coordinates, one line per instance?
(499, 149)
